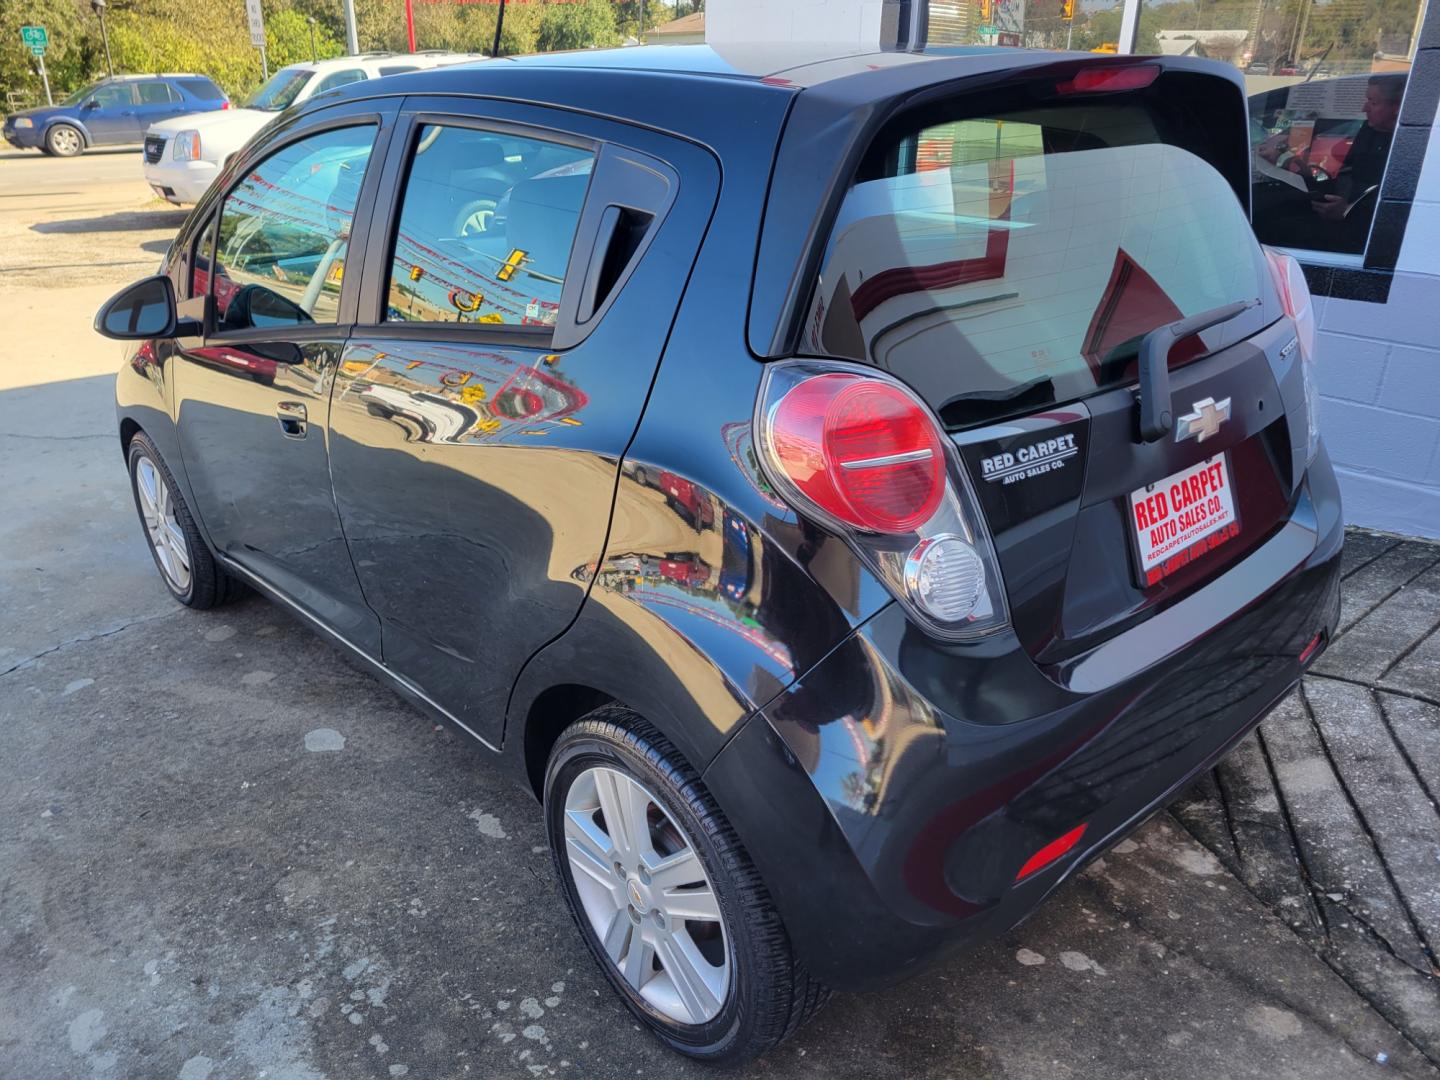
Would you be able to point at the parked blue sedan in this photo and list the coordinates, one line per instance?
(111, 112)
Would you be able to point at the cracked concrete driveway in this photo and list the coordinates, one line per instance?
(228, 853)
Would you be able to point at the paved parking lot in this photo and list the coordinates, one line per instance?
(229, 853)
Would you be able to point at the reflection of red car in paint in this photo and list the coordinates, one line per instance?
(688, 496)
(686, 570)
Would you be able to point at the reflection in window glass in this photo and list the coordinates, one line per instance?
(486, 228)
(1005, 264)
(1325, 79)
(1320, 151)
(284, 231)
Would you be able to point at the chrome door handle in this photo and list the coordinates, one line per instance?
(292, 417)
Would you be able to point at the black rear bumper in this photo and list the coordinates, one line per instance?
(892, 796)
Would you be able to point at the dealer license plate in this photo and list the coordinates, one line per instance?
(1180, 518)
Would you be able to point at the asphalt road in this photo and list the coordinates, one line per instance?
(228, 853)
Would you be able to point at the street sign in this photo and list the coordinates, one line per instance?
(36, 39)
(38, 50)
(256, 19)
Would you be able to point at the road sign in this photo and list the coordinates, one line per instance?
(256, 19)
(36, 39)
(38, 50)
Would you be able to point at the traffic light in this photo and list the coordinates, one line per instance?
(987, 9)
(1067, 9)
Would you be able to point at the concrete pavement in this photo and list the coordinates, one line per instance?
(228, 853)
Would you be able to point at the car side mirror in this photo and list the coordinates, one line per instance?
(91, 104)
(141, 311)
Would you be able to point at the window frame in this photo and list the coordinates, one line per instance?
(377, 113)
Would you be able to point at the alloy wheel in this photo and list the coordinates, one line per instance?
(66, 141)
(167, 538)
(646, 895)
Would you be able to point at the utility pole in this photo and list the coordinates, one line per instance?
(98, 6)
(40, 60)
(499, 22)
(352, 36)
(314, 53)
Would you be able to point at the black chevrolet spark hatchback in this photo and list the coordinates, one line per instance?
(850, 493)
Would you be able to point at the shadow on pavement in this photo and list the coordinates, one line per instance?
(120, 221)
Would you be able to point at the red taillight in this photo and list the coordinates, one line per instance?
(1109, 79)
(1051, 851)
(861, 450)
(224, 104)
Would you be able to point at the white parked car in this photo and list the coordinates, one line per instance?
(183, 155)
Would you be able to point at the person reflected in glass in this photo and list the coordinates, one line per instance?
(1359, 177)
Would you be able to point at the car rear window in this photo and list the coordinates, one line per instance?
(1006, 261)
(203, 89)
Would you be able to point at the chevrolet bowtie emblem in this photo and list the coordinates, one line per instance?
(1204, 422)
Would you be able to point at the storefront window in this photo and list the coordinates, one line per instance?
(1324, 78)
(1086, 25)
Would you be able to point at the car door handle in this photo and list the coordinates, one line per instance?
(293, 419)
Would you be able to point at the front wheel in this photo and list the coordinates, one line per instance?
(665, 897)
(186, 566)
(62, 140)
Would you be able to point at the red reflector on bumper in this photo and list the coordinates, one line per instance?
(1314, 647)
(1051, 851)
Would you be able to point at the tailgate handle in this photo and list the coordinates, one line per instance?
(1155, 416)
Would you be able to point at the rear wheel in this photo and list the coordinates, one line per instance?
(62, 140)
(181, 555)
(666, 898)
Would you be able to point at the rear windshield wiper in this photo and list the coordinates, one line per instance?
(1155, 416)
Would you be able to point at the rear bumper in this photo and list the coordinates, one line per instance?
(892, 827)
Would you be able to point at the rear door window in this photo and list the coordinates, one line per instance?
(1004, 262)
(486, 228)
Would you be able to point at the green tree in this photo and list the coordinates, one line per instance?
(583, 24)
(71, 60)
(287, 39)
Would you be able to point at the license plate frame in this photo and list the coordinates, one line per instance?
(1163, 543)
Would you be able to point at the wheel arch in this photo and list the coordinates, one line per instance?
(69, 121)
(129, 428)
(552, 711)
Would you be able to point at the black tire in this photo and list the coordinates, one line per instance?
(209, 586)
(770, 995)
(64, 140)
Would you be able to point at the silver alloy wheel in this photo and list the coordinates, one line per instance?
(157, 510)
(65, 140)
(647, 896)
